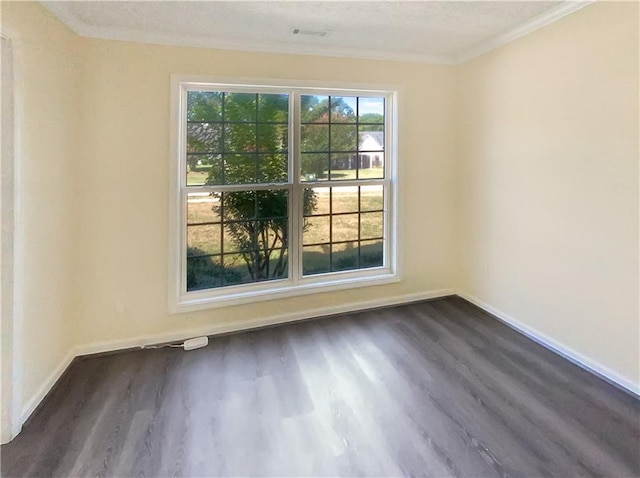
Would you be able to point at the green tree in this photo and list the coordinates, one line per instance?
(204, 273)
(316, 137)
(249, 133)
(204, 131)
(372, 118)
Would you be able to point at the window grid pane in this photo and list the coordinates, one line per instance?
(347, 233)
(350, 130)
(230, 134)
(236, 237)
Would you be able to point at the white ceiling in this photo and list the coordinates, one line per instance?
(424, 31)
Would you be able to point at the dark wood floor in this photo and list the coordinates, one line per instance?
(431, 389)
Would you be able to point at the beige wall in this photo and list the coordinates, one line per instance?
(47, 73)
(548, 161)
(123, 182)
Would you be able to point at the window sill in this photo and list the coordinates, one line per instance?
(211, 299)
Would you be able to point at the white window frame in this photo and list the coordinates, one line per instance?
(182, 301)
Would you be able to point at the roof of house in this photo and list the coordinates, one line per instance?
(376, 136)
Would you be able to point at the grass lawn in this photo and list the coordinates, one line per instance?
(344, 227)
(367, 219)
(372, 173)
(198, 177)
(204, 272)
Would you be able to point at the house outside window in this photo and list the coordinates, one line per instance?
(279, 190)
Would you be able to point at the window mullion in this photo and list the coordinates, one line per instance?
(236, 187)
(346, 182)
(296, 221)
(184, 195)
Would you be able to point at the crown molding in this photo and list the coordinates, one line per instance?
(531, 25)
(266, 47)
(83, 29)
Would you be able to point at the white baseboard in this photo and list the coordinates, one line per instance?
(217, 329)
(46, 387)
(565, 352)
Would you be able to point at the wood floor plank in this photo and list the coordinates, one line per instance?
(437, 388)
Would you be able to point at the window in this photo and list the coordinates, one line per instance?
(278, 191)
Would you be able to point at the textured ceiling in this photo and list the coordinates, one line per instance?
(435, 31)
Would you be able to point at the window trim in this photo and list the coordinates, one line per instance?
(179, 300)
